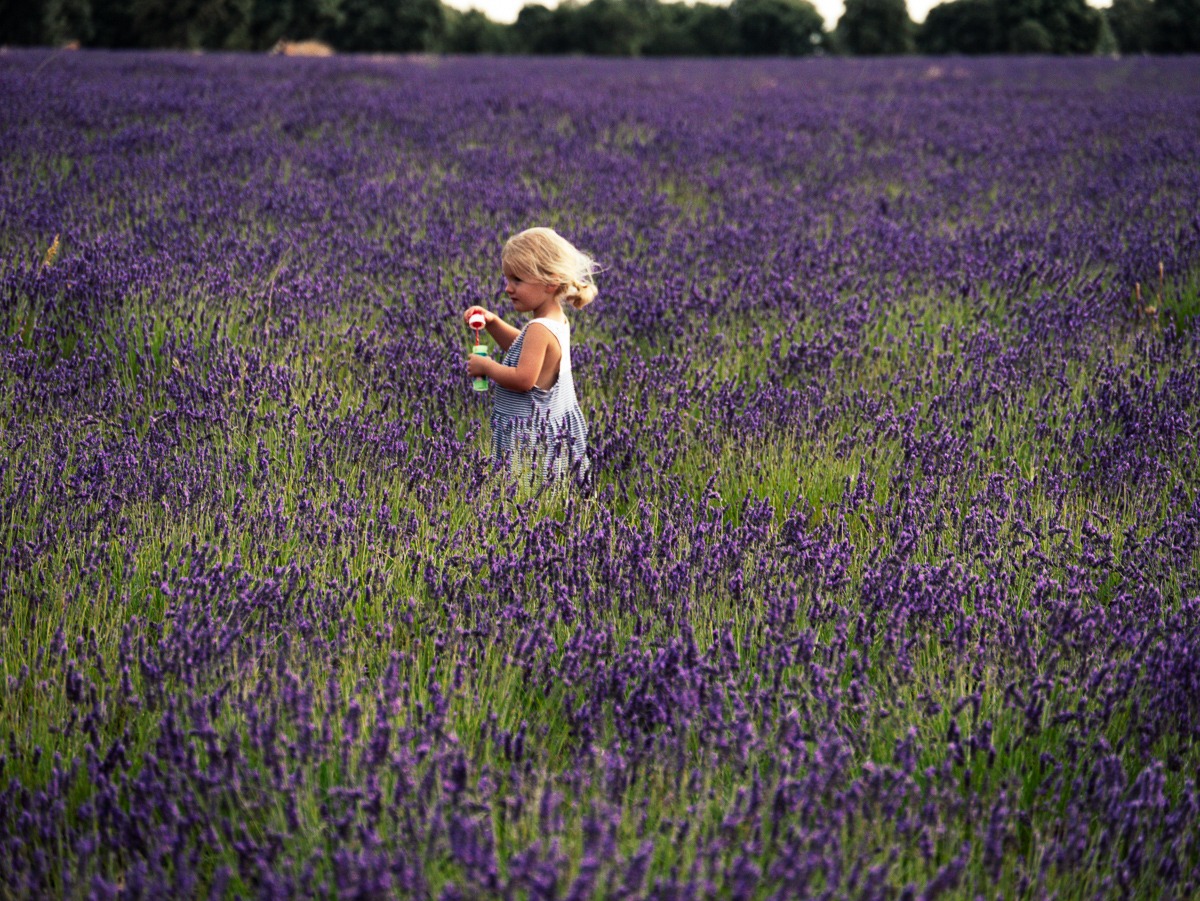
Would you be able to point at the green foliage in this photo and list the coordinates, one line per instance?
(875, 27)
(714, 30)
(778, 27)
(614, 27)
(1179, 302)
(1132, 23)
(20, 22)
(1030, 36)
(647, 27)
(473, 32)
(1177, 26)
(112, 24)
(382, 26)
(674, 31)
(54, 22)
(68, 20)
(542, 30)
(1012, 26)
(608, 28)
(962, 26)
(194, 24)
(276, 20)
(1106, 44)
(1048, 26)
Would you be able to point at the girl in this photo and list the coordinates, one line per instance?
(536, 417)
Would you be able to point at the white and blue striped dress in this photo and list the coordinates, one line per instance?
(541, 427)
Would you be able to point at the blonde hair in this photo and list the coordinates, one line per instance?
(543, 255)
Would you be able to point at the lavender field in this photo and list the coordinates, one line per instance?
(886, 579)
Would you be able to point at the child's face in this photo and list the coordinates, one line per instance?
(526, 294)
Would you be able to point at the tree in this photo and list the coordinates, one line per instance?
(1106, 44)
(671, 32)
(542, 30)
(1177, 26)
(608, 28)
(778, 27)
(1012, 26)
(45, 22)
(67, 20)
(389, 26)
(963, 26)
(192, 24)
(473, 32)
(1030, 36)
(1132, 23)
(714, 30)
(276, 20)
(874, 27)
(112, 24)
(1048, 26)
(21, 22)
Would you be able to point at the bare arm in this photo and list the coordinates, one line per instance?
(503, 333)
(524, 375)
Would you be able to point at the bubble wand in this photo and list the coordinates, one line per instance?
(478, 321)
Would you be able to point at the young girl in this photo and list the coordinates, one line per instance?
(536, 417)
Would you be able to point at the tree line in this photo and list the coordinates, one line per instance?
(614, 27)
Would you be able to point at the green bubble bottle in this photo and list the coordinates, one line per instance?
(477, 321)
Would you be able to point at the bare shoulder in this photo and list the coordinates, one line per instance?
(544, 334)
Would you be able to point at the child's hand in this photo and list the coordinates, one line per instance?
(478, 366)
(488, 316)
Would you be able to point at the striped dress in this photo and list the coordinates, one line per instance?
(541, 427)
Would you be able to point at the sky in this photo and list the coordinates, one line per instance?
(831, 10)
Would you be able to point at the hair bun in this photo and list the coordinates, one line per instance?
(582, 295)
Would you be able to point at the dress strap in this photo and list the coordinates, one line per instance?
(560, 330)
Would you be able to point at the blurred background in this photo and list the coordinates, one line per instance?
(610, 27)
